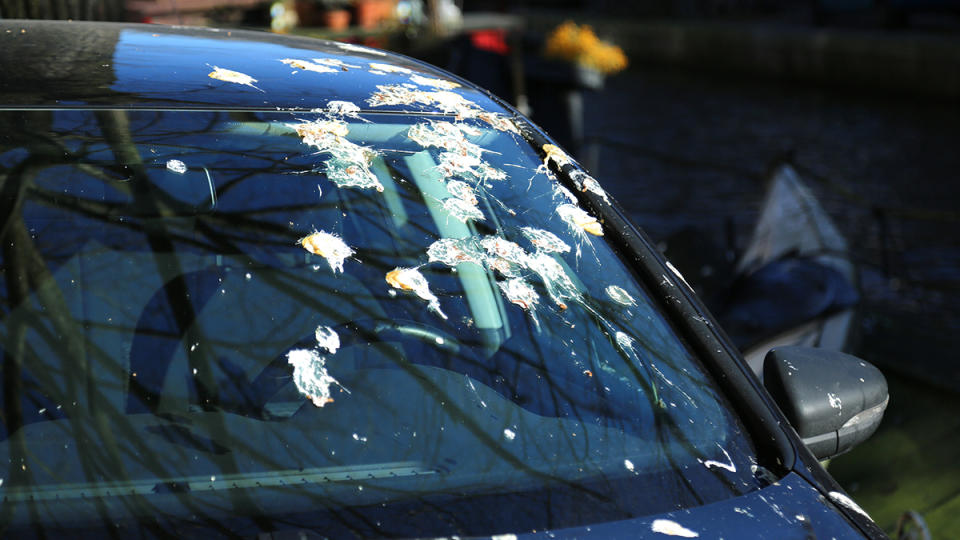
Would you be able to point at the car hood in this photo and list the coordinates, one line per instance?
(790, 508)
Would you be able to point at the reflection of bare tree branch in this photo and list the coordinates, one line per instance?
(27, 272)
(470, 422)
(237, 238)
(439, 396)
(13, 355)
(116, 129)
(13, 190)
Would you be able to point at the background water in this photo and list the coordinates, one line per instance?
(687, 155)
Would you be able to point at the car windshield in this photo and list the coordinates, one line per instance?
(352, 324)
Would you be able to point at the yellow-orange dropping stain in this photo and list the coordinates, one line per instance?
(329, 246)
(555, 154)
(593, 228)
(393, 278)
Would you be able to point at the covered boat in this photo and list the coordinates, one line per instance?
(795, 283)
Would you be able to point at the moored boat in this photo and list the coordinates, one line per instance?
(796, 283)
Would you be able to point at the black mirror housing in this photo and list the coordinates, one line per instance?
(833, 400)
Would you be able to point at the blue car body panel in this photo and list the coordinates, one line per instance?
(788, 509)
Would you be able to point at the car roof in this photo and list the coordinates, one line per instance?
(73, 64)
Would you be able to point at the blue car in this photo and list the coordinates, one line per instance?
(261, 286)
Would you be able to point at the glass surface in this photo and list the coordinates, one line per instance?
(225, 323)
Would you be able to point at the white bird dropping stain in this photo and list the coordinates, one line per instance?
(305, 65)
(230, 76)
(335, 63)
(410, 279)
(499, 122)
(585, 182)
(442, 100)
(343, 108)
(350, 163)
(553, 153)
(672, 528)
(619, 295)
(462, 191)
(310, 375)
(350, 47)
(726, 466)
(440, 84)
(327, 338)
(625, 342)
(389, 68)
(462, 210)
(843, 500)
(835, 402)
(520, 293)
(177, 166)
(558, 284)
(578, 219)
(545, 240)
(451, 252)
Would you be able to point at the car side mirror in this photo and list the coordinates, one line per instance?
(834, 400)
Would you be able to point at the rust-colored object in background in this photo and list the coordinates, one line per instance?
(370, 13)
(187, 12)
(335, 19)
